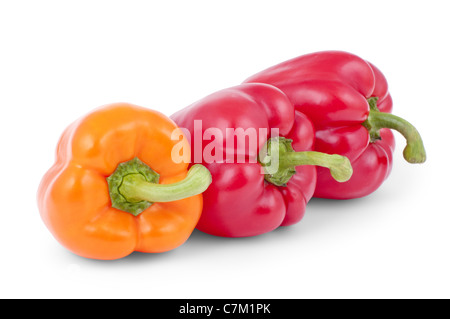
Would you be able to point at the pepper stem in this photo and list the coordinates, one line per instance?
(340, 167)
(414, 152)
(134, 187)
(279, 160)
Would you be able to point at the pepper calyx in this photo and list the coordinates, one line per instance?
(134, 168)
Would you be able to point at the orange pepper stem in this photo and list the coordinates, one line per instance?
(134, 186)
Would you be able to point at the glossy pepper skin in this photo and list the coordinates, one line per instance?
(240, 202)
(75, 197)
(348, 101)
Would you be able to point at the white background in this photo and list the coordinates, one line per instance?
(61, 59)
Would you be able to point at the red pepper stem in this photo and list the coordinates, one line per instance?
(279, 160)
(340, 167)
(414, 151)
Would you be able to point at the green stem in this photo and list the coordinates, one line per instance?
(340, 167)
(135, 188)
(414, 151)
(279, 160)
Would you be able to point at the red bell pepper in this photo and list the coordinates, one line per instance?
(348, 101)
(246, 198)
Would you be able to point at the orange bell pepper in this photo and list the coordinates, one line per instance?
(115, 189)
